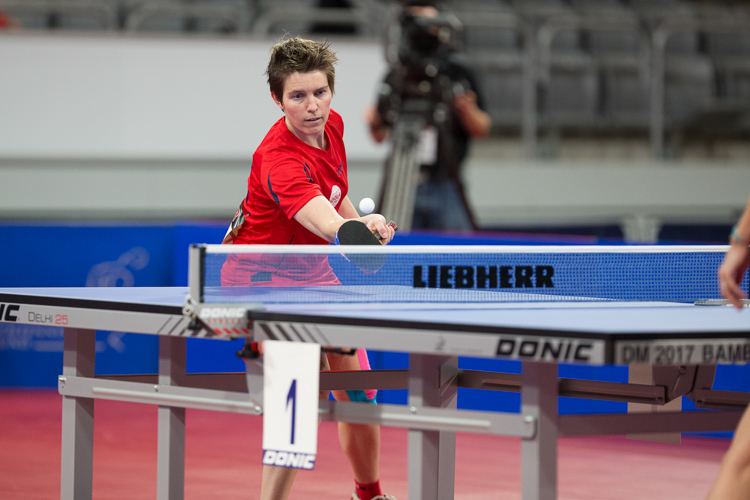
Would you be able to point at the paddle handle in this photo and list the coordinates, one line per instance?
(390, 223)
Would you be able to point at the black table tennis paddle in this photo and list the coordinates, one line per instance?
(354, 232)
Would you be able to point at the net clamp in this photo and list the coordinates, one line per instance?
(219, 320)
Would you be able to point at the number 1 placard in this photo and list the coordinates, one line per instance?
(290, 403)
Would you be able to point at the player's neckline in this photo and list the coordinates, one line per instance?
(326, 139)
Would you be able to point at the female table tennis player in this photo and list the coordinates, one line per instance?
(297, 194)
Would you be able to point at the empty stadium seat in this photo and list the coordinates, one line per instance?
(569, 86)
(495, 44)
(206, 16)
(620, 47)
(304, 16)
(730, 50)
(99, 15)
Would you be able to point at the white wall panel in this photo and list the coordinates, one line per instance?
(75, 96)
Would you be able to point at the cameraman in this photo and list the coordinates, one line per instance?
(440, 199)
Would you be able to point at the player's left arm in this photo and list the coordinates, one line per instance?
(319, 217)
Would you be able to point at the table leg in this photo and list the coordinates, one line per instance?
(539, 455)
(432, 382)
(640, 373)
(77, 462)
(170, 480)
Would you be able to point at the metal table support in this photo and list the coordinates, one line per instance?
(77, 417)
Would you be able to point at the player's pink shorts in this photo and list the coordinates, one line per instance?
(269, 270)
(239, 271)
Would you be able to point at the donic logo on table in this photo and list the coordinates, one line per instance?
(222, 313)
(9, 312)
(544, 349)
(483, 277)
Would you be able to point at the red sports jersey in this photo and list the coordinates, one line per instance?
(286, 173)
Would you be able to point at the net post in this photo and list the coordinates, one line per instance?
(196, 268)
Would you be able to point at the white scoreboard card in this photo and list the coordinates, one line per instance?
(291, 376)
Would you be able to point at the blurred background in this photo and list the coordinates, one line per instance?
(127, 129)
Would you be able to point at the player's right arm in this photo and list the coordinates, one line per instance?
(319, 217)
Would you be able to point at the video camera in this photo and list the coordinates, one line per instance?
(424, 39)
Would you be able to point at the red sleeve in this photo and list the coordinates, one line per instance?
(289, 182)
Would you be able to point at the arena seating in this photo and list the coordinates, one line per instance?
(656, 68)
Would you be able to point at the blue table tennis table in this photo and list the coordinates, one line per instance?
(679, 344)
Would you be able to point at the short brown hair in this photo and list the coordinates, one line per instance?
(297, 55)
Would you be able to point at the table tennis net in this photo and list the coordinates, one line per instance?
(457, 274)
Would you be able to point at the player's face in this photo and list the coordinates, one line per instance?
(306, 102)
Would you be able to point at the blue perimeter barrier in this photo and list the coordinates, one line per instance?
(142, 254)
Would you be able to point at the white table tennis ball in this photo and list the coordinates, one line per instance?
(366, 205)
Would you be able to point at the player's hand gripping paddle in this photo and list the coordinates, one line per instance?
(354, 232)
